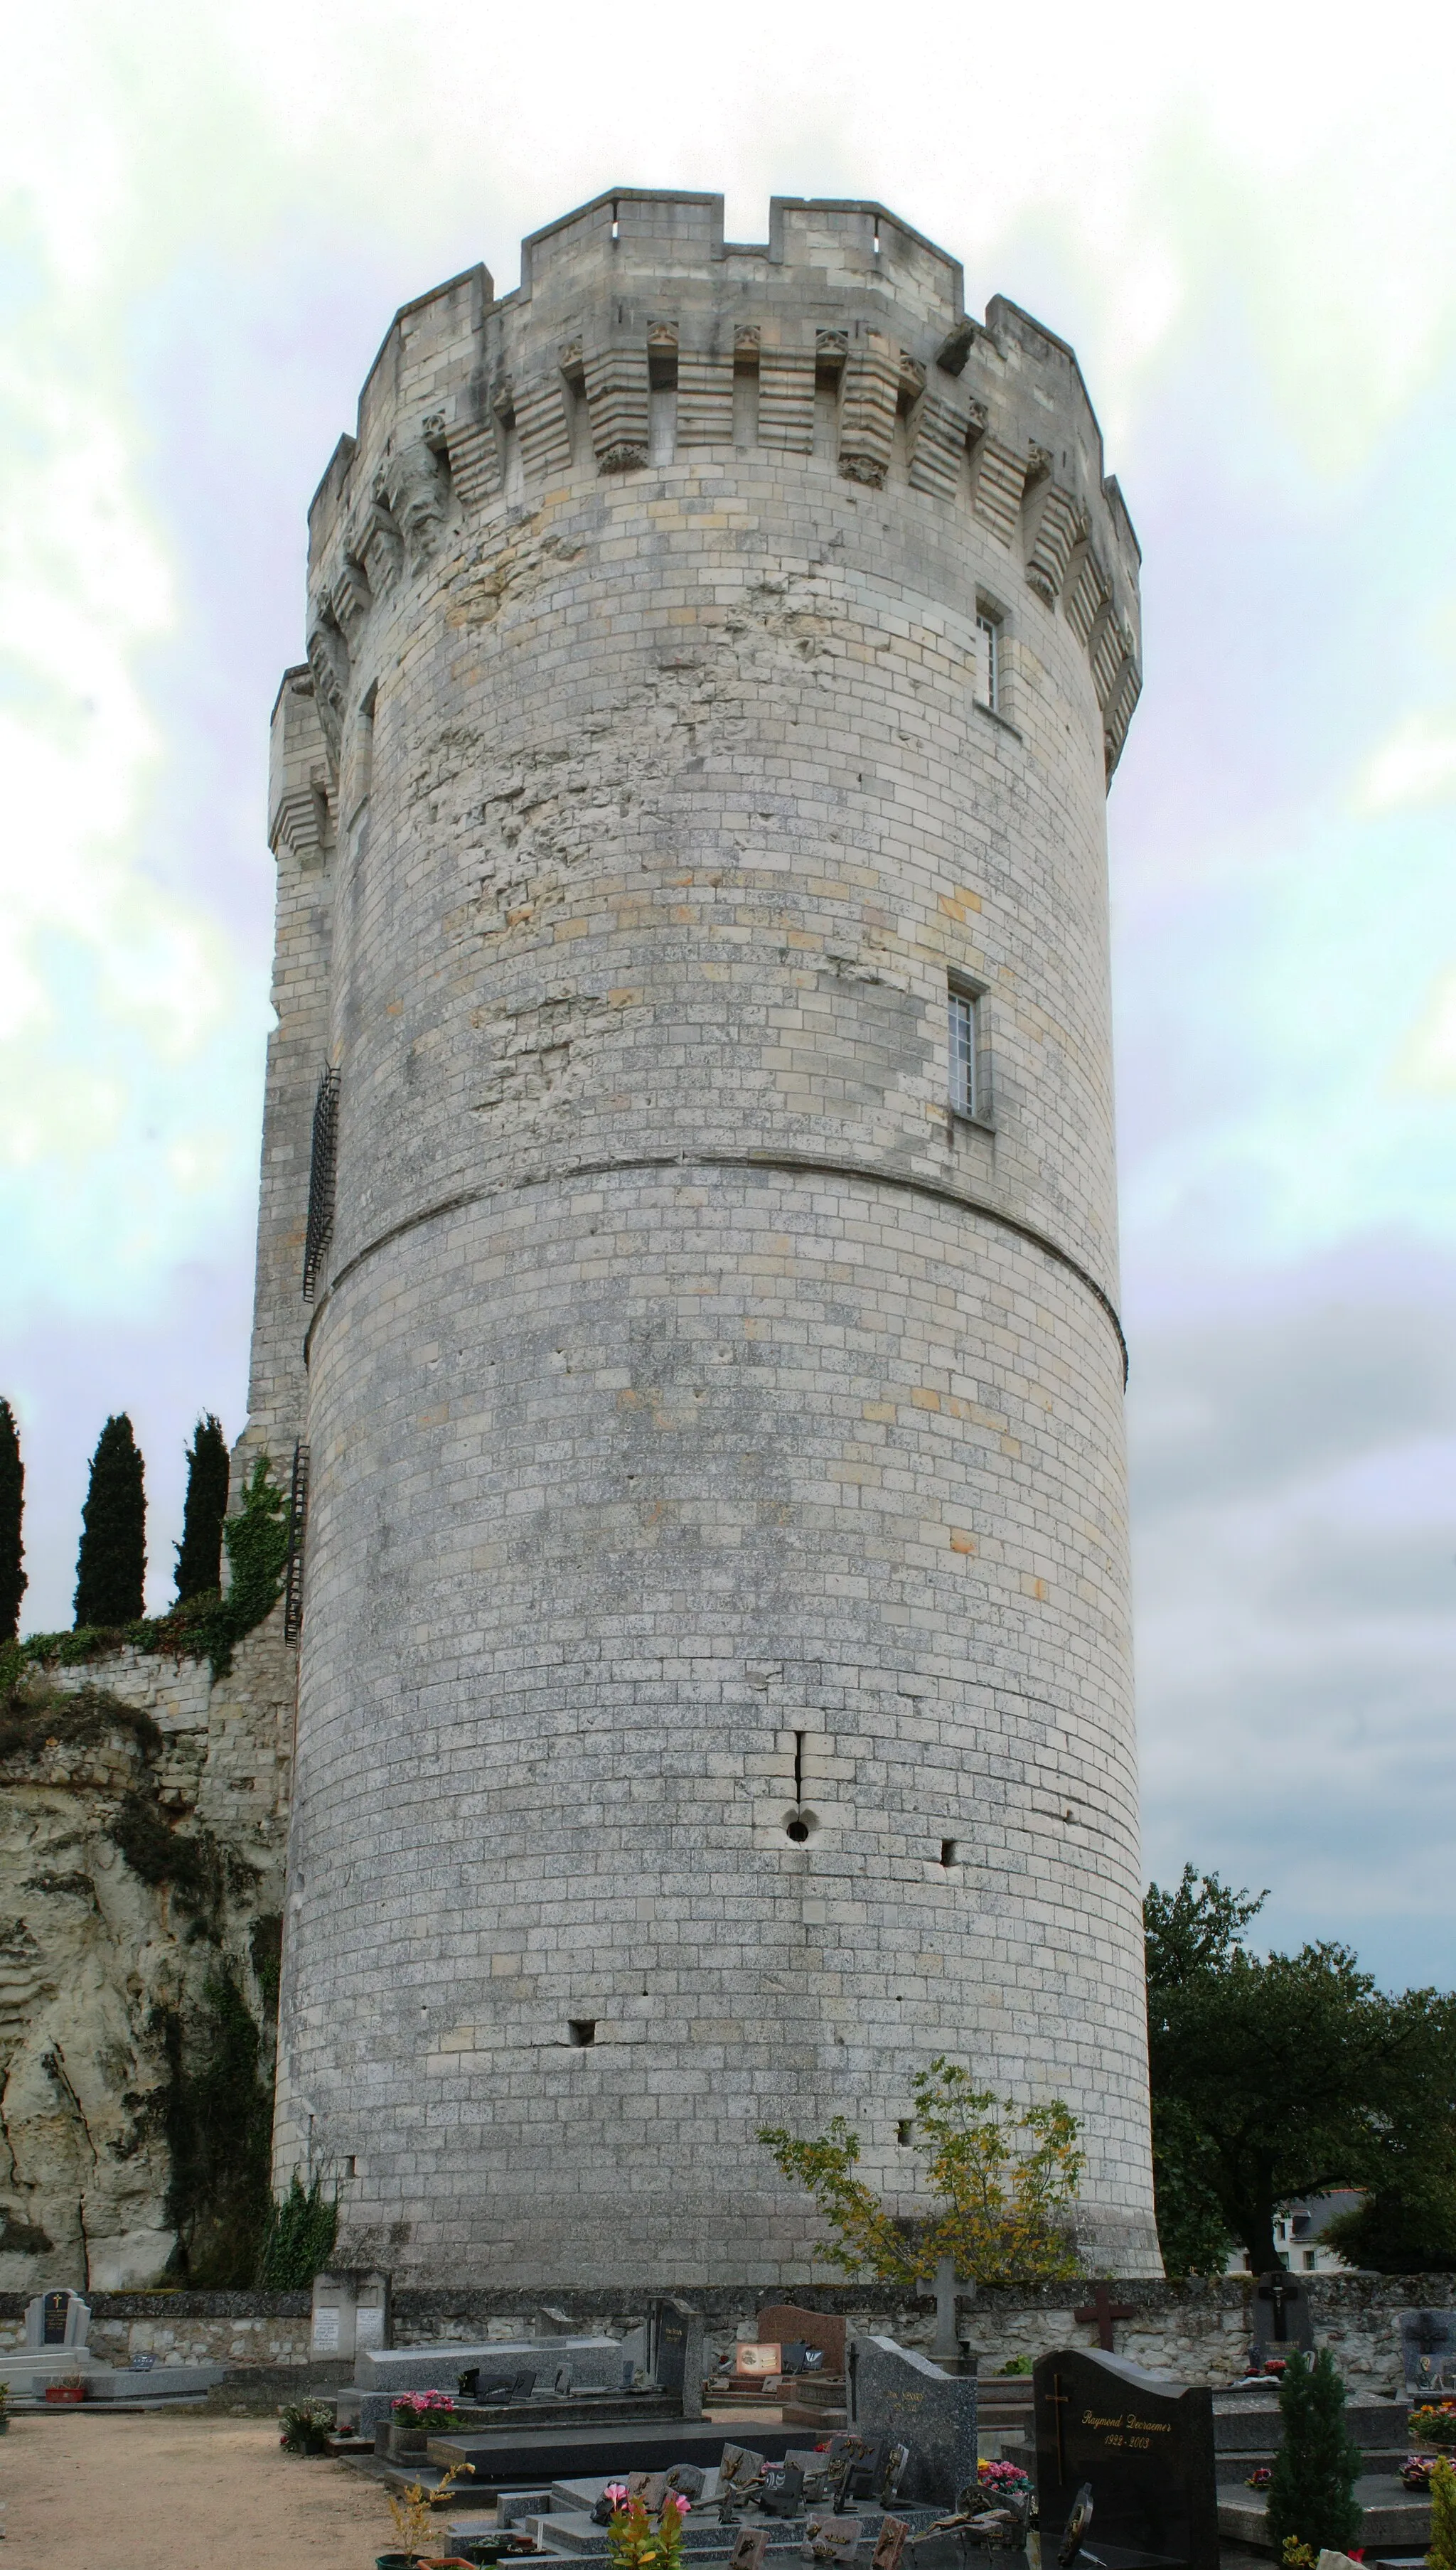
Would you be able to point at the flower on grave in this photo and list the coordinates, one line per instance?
(677, 2500)
(634, 2543)
(1259, 2477)
(1416, 2471)
(423, 2405)
(616, 2492)
(1007, 2479)
(1433, 2422)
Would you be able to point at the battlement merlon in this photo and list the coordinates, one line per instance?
(639, 286)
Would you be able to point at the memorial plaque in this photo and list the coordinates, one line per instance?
(1142, 2444)
(749, 2548)
(55, 2309)
(894, 2534)
(755, 2360)
(829, 2538)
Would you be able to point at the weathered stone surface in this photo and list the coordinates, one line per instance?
(95, 1958)
(712, 1432)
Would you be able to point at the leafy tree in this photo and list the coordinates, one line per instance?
(111, 1567)
(1312, 2482)
(200, 1553)
(1004, 2178)
(1407, 2224)
(1442, 2555)
(1283, 2076)
(13, 1581)
(299, 2242)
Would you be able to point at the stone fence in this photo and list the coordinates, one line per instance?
(1198, 2331)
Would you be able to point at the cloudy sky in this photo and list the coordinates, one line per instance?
(1243, 219)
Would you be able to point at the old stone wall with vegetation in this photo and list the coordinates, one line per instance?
(144, 1794)
(1196, 2331)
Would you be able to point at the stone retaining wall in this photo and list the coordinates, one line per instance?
(1196, 2332)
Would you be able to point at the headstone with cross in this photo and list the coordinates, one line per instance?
(1103, 2311)
(1143, 2443)
(1281, 2315)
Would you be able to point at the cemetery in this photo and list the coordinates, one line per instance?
(832, 2440)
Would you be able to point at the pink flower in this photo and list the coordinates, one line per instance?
(680, 2504)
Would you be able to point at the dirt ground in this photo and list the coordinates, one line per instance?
(181, 2493)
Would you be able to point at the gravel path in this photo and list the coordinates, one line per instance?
(182, 2493)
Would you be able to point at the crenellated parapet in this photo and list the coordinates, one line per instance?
(639, 339)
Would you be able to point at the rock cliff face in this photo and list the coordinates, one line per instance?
(143, 1822)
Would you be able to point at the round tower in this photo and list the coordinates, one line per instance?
(714, 1685)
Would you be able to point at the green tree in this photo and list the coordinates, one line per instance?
(1442, 2555)
(111, 1567)
(1312, 2484)
(200, 1553)
(13, 1582)
(1283, 2076)
(1004, 2181)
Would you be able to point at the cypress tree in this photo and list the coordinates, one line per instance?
(1312, 2484)
(200, 1553)
(111, 1567)
(13, 1582)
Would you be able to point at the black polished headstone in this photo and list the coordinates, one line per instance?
(1146, 2445)
(675, 2352)
(1282, 2314)
(54, 2311)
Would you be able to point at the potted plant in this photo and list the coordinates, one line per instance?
(414, 2521)
(71, 2388)
(305, 2427)
(1416, 2471)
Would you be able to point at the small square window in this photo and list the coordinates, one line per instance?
(988, 658)
(965, 1087)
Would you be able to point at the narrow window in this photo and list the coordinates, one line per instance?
(582, 2029)
(965, 1089)
(988, 658)
(947, 1851)
(293, 1566)
(322, 1169)
(905, 2131)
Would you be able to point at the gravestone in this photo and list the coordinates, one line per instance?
(1145, 2445)
(1281, 2315)
(674, 2352)
(1428, 2351)
(56, 2319)
(897, 2396)
(784, 2323)
(748, 2549)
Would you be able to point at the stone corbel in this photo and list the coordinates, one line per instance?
(617, 399)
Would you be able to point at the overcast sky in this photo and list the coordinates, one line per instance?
(1243, 220)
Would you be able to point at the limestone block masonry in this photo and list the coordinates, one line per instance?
(715, 1693)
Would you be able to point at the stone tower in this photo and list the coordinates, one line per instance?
(714, 1692)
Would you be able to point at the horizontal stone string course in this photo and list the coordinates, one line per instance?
(812, 1168)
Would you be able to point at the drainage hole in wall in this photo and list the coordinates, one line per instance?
(582, 2029)
(797, 1829)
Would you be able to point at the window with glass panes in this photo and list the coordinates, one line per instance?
(962, 1007)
